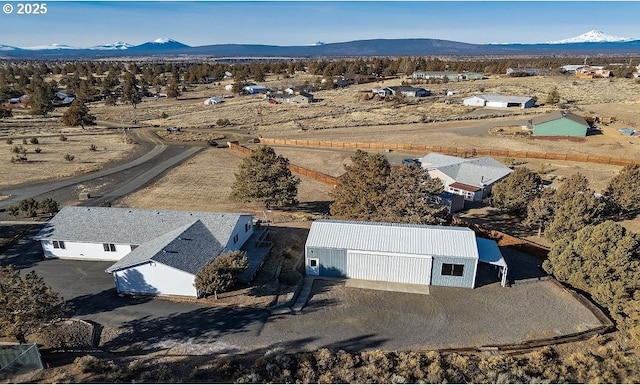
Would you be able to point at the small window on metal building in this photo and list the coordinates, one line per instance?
(452, 269)
(235, 238)
(58, 245)
(247, 226)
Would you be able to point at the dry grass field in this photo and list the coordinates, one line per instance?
(50, 163)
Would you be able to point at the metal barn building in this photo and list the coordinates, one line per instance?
(559, 123)
(398, 253)
(499, 101)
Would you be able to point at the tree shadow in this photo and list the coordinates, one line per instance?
(146, 335)
(105, 301)
(522, 266)
(23, 252)
(314, 207)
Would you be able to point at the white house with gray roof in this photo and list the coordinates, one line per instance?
(399, 253)
(472, 178)
(156, 252)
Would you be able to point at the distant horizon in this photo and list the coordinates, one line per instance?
(85, 24)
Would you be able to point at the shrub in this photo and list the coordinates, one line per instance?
(212, 143)
(223, 122)
(34, 140)
(38, 150)
(9, 141)
(63, 138)
(93, 147)
(19, 150)
(24, 140)
(164, 115)
(19, 158)
(105, 204)
(69, 157)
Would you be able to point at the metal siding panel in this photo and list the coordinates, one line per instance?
(467, 280)
(389, 268)
(333, 262)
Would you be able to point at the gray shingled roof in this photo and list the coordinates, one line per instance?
(474, 171)
(555, 115)
(188, 248)
(181, 239)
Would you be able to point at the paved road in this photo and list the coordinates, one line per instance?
(151, 165)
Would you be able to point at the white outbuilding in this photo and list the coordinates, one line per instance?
(212, 100)
(499, 101)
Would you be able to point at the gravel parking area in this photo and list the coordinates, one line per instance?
(354, 319)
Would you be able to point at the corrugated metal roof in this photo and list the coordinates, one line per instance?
(490, 252)
(393, 238)
(502, 98)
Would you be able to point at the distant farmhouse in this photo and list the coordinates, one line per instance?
(471, 178)
(406, 91)
(559, 123)
(592, 72)
(450, 76)
(515, 72)
(300, 98)
(398, 256)
(156, 252)
(499, 101)
(254, 89)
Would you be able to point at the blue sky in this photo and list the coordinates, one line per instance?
(195, 23)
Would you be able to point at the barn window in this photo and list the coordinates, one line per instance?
(247, 226)
(452, 269)
(235, 238)
(58, 245)
(110, 247)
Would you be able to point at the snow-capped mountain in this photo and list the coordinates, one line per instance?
(119, 45)
(50, 47)
(164, 40)
(593, 36)
(7, 48)
(163, 43)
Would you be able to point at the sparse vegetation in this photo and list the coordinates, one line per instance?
(62, 138)
(223, 122)
(93, 147)
(69, 157)
(34, 140)
(37, 150)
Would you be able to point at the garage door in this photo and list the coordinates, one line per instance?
(389, 268)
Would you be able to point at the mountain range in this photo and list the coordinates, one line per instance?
(590, 43)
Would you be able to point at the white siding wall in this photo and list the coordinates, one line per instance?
(155, 279)
(243, 235)
(84, 251)
(446, 180)
(389, 267)
(497, 104)
(474, 101)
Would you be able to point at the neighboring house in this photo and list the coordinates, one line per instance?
(407, 91)
(302, 98)
(228, 87)
(254, 89)
(156, 252)
(590, 72)
(297, 90)
(472, 178)
(559, 123)
(528, 71)
(572, 68)
(398, 253)
(212, 100)
(450, 76)
(499, 101)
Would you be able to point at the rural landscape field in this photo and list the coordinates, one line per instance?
(177, 135)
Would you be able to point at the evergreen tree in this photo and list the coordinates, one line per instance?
(78, 115)
(26, 303)
(553, 97)
(516, 191)
(623, 190)
(41, 94)
(265, 177)
(221, 274)
(130, 93)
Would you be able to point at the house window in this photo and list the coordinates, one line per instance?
(58, 245)
(235, 238)
(110, 247)
(452, 269)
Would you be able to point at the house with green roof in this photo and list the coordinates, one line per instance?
(559, 123)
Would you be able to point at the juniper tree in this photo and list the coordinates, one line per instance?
(221, 274)
(265, 177)
(516, 191)
(623, 190)
(78, 115)
(26, 303)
